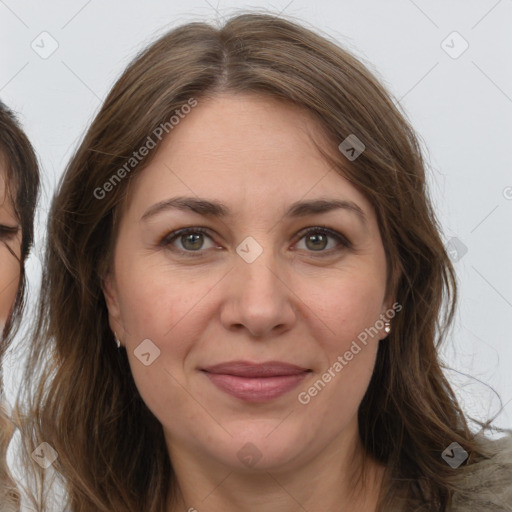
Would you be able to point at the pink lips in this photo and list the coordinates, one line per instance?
(255, 382)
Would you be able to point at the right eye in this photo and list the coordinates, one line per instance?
(190, 239)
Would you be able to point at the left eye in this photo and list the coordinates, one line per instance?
(317, 240)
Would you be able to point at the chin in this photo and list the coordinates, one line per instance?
(265, 448)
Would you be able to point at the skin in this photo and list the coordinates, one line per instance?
(291, 304)
(10, 240)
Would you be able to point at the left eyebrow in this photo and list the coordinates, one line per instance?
(317, 206)
(217, 209)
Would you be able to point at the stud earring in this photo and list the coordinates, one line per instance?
(118, 342)
(387, 327)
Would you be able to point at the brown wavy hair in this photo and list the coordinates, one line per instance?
(21, 174)
(112, 454)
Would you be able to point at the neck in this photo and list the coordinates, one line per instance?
(340, 478)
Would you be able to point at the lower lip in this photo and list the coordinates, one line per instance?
(256, 389)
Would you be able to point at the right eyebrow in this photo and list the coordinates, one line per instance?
(197, 205)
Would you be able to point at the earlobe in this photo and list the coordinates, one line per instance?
(386, 318)
(109, 289)
(390, 304)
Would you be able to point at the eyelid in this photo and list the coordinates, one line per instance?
(8, 231)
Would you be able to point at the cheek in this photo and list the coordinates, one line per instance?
(9, 281)
(170, 308)
(349, 352)
(164, 304)
(348, 306)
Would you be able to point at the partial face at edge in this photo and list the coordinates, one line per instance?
(302, 301)
(10, 250)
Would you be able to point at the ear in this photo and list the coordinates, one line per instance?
(109, 288)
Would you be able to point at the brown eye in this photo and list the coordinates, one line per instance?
(189, 239)
(317, 240)
(192, 241)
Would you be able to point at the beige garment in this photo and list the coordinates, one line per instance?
(486, 486)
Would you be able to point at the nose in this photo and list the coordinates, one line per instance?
(258, 298)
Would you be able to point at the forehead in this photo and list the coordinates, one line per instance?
(243, 148)
(6, 188)
(243, 124)
(3, 178)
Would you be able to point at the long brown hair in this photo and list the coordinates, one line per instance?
(21, 175)
(86, 395)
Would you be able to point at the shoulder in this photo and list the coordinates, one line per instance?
(486, 485)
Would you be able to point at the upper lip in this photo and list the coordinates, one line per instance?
(249, 369)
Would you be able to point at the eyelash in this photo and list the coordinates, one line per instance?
(344, 243)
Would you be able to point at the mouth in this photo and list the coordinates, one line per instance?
(255, 382)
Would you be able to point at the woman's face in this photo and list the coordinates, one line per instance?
(254, 288)
(10, 250)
